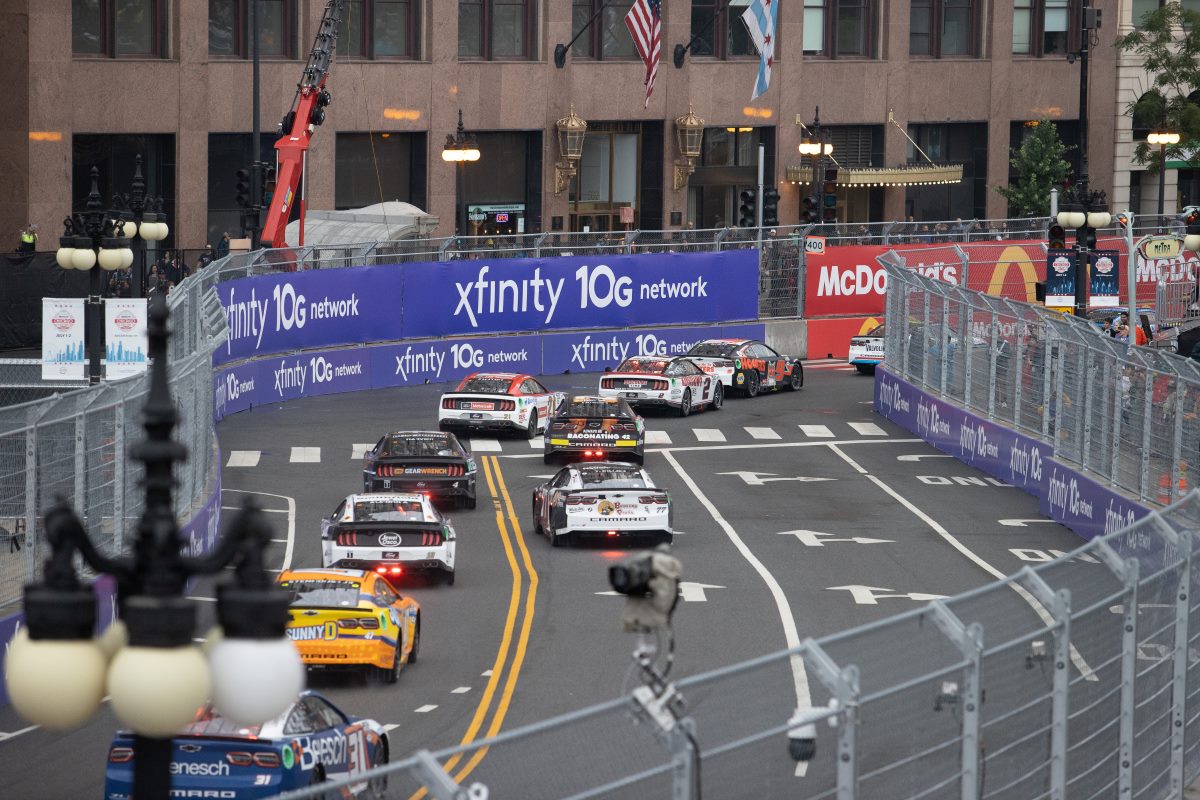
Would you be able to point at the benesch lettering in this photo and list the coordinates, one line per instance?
(207, 769)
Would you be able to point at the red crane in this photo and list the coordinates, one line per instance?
(296, 129)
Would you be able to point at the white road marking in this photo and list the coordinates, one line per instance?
(357, 451)
(755, 446)
(693, 592)
(460, 690)
(425, 709)
(537, 442)
(817, 431)
(871, 595)
(291, 529)
(790, 633)
(14, 734)
(1033, 602)
(1021, 523)
(868, 429)
(264, 510)
(485, 446)
(305, 455)
(278, 541)
(540, 477)
(203, 599)
(657, 437)
(391, 726)
(708, 435)
(243, 458)
(919, 456)
(813, 538)
(763, 433)
(853, 464)
(759, 479)
(487, 673)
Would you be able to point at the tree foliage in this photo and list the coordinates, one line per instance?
(1168, 43)
(1040, 167)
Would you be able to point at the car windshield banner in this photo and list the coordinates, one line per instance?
(1060, 277)
(304, 310)
(1104, 279)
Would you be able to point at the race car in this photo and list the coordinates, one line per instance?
(499, 401)
(659, 381)
(747, 365)
(351, 618)
(602, 499)
(311, 742)
(866, 350)
(393, 534)
(593, 427)
(433, 463)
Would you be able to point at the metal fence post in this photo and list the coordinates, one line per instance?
(1147, 416)
(1059, 605)
(1049, 367)
(119, 450)
(969, 640)
(1117, 420)
(1088, 393)
(1127, 572)
(1177, 439)
(80, 489)
(924, 349)
(1184, 544)
(993, 348)
(842, 683)
(31, 497)
(537, 244)
(964, 263)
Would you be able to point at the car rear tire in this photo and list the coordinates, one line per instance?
(416, 645)
(393, 674)
(685, 404)
(548, 458)
(752, 381)
(469, 501)
(864, 369)
(796, 379)
(638, 459)
(379, 784)
(718, 398)
(450, 578)
(531, 429)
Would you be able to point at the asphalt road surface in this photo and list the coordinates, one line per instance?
(797, 515)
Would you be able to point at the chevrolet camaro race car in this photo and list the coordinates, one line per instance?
(659, 381)
(747, 365)
(351, 618)
(601, 499)
(866, 350)
(311, 742)
(499, 401)
(392, 534)
(592, 427)
(430, 462)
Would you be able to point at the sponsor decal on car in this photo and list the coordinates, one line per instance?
(206, 769)
(389, 539)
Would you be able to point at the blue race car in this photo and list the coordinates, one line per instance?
(311, 742)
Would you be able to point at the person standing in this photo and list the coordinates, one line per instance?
(223, 246)
(29, 239)
(205, 258)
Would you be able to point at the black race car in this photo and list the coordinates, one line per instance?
(593, 427)
(430, 462)
(747, 365)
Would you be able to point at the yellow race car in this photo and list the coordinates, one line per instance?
(351, 618)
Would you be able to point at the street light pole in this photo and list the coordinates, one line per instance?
(144, 221)
(460, 147)
(1162, 140)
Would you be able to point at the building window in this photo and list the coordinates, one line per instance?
(942, 28)
(607, 37)
(1143, 7)
(1043, 27)
(839, 28)
(374, 168)
(496, 30)
(380, 29)
(724, 34)
(609, 178)
(229, 28)
(119, 28)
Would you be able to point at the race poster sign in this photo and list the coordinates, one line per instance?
(125, 340)
(1060, 277)
(62, 339)
(1104, 290)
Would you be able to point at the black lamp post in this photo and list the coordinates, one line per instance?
(460, 147)
(147, 663)
(144, 222)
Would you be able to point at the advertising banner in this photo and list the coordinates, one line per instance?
(1060, 277)
(593, 351)
(436, 362)
(308, 310)
(1104, 289)
(844, 281)
(311, 374)
(62, 339)
(125, 339)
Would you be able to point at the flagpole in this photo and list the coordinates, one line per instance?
(758, 204)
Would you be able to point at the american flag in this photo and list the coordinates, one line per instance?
(644, 21)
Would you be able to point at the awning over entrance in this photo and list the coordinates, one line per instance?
(907, 175)
(382, 222)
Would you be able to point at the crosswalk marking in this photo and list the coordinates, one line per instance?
(815, 431)
(709, 435)
(763, 433)
(485, 445)
(357, 451)
(425, 709)
(657, 437)
(537, 442)
(868, 429)
(305, 455)
(460, 690)
(243, 458)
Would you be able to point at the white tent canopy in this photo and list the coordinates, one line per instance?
(382, 222)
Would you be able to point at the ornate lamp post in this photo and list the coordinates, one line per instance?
(154, 674)
(144, 221)
(815, 146)
(1162, 140)
(94, 238)
(689, 135)
(572, 129)
(460, 147)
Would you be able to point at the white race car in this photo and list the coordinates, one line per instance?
(866, 350)
(664, 381)
(604, 500)
(390, 533)
(499, 401)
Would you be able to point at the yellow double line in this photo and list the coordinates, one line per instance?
(506, 516)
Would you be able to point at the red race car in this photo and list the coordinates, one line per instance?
(499, 401)
(664, 381)
(747, 365)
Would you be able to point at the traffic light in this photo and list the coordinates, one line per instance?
(243, 188)
(268, 185)
(1057, 237)
(1086, 238)
(1122, 220)
(829, 192)
(809, 211)
(748, 209)
(770, 210)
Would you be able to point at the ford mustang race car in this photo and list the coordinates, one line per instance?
(429, 462)
(311, 742)
(659, 381)
(499, 401)
(392, 534)
(747, 365)
(866, 350)
(588, 426)
(351, 618)
(601, 499)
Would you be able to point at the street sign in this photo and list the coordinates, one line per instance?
(814, 245)
(1161, 246)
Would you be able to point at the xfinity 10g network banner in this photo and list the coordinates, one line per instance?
(305, 310)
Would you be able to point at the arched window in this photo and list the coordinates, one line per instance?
(1149, 113)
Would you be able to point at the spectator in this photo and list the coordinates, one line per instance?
(29, 239)
(153, 279)
(223, 246)
(206, 257)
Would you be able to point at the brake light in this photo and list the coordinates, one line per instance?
(120, 755)
(370, 623)
(239, 758)
(612, 533)
(347, 623)
(581, 501)
(268, 760)
(625, 426)
(506, 405)
(661, 499)
(394, 571)
(447, 403)
(558, 426)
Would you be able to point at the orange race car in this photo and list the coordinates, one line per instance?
(351, 618)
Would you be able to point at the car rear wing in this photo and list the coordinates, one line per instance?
(645, 496)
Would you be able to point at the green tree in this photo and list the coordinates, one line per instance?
(1168, 43)
(1040, 167)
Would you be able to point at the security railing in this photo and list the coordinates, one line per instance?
(76, 446)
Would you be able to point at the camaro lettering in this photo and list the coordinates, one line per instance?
(220, 793)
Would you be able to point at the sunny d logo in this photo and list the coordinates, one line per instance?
(1061, 265)
(126, 321)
